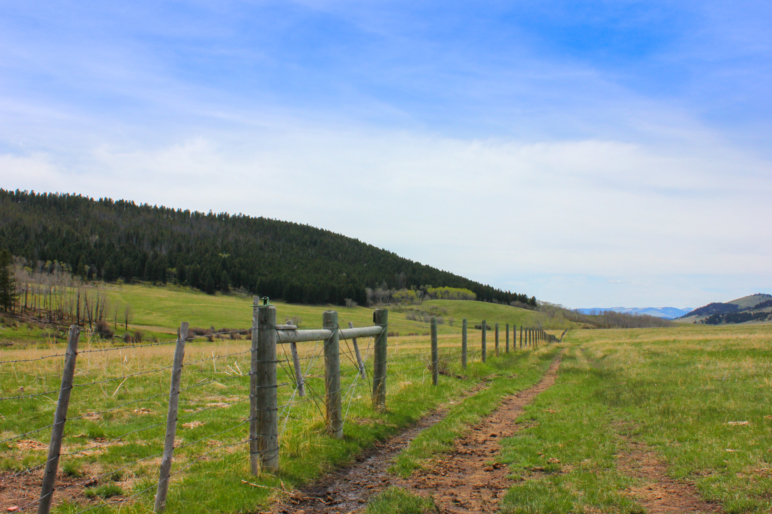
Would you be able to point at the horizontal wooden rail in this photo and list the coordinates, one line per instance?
(351, 333)
(299, 336)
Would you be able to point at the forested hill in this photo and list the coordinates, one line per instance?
(113, 240)
(754, 308)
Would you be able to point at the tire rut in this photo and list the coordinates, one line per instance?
(348, 488)
(469, 479)
(659, 493)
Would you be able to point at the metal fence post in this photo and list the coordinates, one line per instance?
(171, 421)
(463, 344)
(507, 338)
(60, 417)
(358, 354)
(264, 422)
(332, 396)
(381, 318)
(301, 381)
(435, 354)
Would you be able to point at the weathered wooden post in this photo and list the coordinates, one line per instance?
(60, 417)
(435, 354)
(171, 421)
(497, 339)
(507, 338)
(484, 342)
(360, 364)
(463, 344)
(333, 396)
(381, 318)
(264, 422)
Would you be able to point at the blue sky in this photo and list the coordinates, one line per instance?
(590, 153)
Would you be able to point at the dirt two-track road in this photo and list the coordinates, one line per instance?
(464, 480)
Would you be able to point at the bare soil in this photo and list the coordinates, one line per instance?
(469, 479)
(465, 480)
(348, 489)
(23, 491)
(659, 492)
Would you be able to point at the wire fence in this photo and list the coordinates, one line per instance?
(130, 409)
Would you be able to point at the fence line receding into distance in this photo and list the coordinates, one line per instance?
(279, 377)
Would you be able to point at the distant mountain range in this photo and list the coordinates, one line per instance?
(755, 308)
(658, 312)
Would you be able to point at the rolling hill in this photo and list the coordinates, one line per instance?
(120, 241)
(756, 308)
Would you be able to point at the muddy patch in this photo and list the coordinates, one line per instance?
(659, 492)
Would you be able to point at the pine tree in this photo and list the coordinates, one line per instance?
(7, 281)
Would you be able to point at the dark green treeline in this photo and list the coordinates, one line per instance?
(111, 240)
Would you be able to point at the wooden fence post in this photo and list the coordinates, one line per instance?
(463, 344)
(171, 421)
(264, 422)
(60, 417)
(332, 396)
(435, 354)
(484, 342)
(507, 338)
(381, 318)
(359, 355)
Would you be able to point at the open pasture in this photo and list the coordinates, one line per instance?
(644, 418)
(117, 417)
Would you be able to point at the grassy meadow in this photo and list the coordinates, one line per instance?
(114, 434)
(163, 308)
(157, 311)
(698, 397)
(685, 392)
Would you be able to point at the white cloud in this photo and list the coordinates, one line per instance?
(496, 210)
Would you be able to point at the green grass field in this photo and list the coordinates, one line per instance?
(697, 398)
(164, 308)
(116, 421)
(158, 311)
(680, 391)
